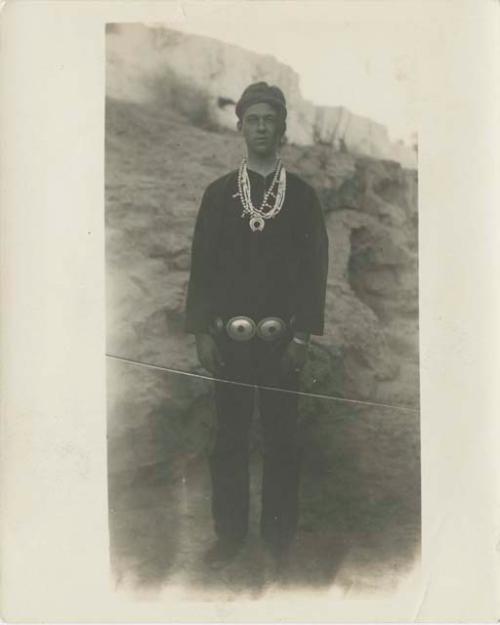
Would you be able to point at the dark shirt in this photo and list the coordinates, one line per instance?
(280, 271)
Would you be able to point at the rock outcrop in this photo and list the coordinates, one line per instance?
(360, 477)
(146, 63)
(361, 463)
(157, 168)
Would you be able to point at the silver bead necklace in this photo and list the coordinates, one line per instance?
(277, 189)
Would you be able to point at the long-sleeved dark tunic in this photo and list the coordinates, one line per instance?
(280, 271)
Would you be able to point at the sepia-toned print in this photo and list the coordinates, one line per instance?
(262, 312)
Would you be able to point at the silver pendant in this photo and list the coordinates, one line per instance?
(257, 224)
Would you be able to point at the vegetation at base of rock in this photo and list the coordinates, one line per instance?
(173, 92)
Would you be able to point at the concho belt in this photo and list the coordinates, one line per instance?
(244, 328)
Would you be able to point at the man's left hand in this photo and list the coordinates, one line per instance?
(295, 357)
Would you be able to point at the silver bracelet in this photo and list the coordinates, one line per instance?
(300, 341)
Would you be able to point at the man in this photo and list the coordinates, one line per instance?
(256, 294)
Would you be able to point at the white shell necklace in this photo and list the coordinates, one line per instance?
(277, 189)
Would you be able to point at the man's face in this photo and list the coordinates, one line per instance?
(262, 127)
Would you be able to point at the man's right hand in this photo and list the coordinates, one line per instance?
(208, 353)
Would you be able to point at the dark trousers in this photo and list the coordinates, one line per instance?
(255, 365)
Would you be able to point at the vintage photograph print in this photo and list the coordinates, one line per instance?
(262, 305)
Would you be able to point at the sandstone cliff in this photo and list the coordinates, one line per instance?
(141, 60)
(361, 468)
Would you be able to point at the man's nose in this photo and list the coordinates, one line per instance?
(261, 125)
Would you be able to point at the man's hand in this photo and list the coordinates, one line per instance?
(295, 357)
(208, 353)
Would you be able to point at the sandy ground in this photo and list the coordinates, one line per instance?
(160, 534)
(359, 527)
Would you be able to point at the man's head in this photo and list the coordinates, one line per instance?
(261, 112)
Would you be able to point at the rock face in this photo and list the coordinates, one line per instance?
(156, 170)
(361, 466)
(145, 63)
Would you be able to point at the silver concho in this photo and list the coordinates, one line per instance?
(257, 224)
(271, 328)
(240, 328)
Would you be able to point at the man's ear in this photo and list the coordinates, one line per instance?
(283, 138)
(239, 125)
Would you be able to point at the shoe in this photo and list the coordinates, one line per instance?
(221, 553)
(280, 553)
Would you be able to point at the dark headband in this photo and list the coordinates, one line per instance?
(261, 92)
